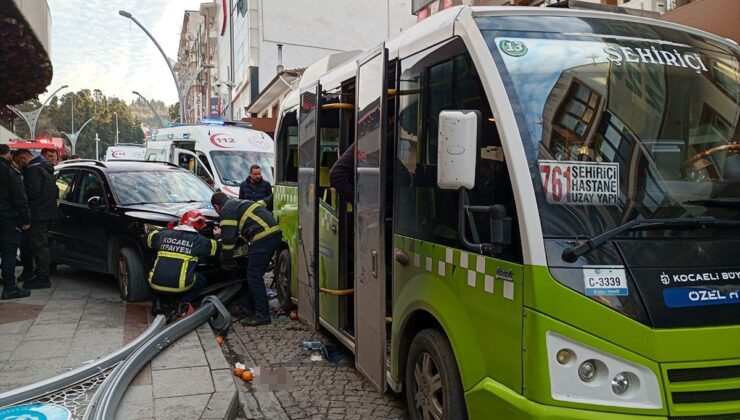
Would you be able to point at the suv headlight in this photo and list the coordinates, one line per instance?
(583, 374)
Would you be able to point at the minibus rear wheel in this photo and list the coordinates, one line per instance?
(432, 381)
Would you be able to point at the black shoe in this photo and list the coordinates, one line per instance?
(37, 282)
(256, 320)
(15, 293)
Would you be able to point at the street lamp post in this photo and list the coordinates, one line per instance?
(170, 62)
(150, 106)
(229, 84)
(32, 117)
(73, 136)
(97, 146)
(116, 114)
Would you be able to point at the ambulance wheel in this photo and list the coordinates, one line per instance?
(131, 277)
(282, 279)
(433, 385)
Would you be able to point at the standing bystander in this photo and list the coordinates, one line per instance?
(14, 217)
(255, 188)
(51, 156)
(42, 192)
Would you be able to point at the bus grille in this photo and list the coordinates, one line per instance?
(707, 392)
(704, 374)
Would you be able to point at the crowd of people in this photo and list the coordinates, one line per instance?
(28, 206)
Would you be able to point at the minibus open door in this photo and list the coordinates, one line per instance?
(308, 179)
(370, 276)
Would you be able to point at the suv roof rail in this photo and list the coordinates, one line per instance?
(96, 162)
(146, 161)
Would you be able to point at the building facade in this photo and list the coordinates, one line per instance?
(306, 30)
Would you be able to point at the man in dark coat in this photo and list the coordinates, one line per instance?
(342, 175)
(255, 188)
(14, 218)
(42, 193)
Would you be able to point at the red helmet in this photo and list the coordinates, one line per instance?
(193, 218)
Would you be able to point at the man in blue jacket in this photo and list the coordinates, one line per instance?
(255, 188)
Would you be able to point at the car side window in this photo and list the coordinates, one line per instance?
(90, 186)
(64, 180)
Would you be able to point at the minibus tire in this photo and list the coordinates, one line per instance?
(282, 279)
(433, 344)
(130, 274)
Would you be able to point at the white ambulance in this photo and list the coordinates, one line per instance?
(125, 152)
(220, 153)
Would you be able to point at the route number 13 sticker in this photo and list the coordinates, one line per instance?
(580, 183)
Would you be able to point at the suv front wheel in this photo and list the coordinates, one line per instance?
(131, 276)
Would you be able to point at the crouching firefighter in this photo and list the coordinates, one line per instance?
(255, 224)
(178, 251)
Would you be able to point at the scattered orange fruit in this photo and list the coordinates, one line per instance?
(238, 372)
(220, 340)
(293, 315)
(247, 375)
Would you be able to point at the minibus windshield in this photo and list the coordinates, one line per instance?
(623, 121)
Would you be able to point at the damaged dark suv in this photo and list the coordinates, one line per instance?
(106, 209)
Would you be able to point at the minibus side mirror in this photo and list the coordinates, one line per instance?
(457, 144)
(499, 222)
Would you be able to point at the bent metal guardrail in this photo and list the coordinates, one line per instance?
(51, 385)
(106, 400)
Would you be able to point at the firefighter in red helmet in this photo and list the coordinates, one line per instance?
(178, 251)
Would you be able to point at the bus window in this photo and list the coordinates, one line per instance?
(287, 143)
(423, 210)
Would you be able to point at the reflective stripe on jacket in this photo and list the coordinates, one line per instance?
(178, 251)
(245, 218)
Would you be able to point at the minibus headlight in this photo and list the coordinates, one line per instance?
(583, 374)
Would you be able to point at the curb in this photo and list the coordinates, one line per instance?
(224, 403)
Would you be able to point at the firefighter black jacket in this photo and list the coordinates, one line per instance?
(178, 251)
(245, 218)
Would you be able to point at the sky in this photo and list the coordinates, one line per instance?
(93, 47)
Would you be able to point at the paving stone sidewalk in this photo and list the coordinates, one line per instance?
(81, 318)
(289, 385)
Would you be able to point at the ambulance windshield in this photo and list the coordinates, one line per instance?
(621, 121)
(233, 166)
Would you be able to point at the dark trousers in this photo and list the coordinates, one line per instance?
(254, 298)
(187, 297)
(10, 239)
(35, 248)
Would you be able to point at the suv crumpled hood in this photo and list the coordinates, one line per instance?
(166, 212)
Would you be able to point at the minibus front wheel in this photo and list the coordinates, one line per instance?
(432, 381)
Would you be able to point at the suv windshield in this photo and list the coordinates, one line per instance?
(153, 187)
(233, 166)
(621, 121)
